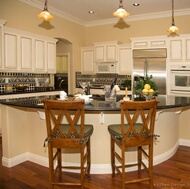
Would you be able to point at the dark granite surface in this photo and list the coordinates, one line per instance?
(98, 104)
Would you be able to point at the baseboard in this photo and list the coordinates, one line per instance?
(184, 142)
(95, 168)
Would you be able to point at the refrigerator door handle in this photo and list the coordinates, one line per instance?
(145, 68)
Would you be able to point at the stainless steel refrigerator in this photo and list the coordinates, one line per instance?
(151, 62)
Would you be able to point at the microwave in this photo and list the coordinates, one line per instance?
(106, 68)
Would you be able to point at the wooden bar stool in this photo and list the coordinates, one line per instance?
(66, 130)
(135, 130)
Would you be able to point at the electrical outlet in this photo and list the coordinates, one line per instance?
(101, 118)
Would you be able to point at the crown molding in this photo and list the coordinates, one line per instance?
(56, 12)
(139, 17)
(156, 15)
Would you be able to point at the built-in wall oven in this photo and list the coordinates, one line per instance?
(180, 79)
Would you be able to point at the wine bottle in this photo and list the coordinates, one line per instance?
(113, 84)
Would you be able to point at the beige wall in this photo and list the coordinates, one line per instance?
(22, 16)
(124, 31)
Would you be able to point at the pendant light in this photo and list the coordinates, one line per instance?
(45, 15)
(173, 28)
(121, 12)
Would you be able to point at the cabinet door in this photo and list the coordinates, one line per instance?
(10, 51)
(99, 53)
(176, 50)
(51, 57)
(87, 56)
(106, 53)
(1, 45)
(26, 54)
(110, 53)
(39, 55)
(125, 59)
(187, 47)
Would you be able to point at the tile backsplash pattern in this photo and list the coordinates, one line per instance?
(100, 79)
(30, 79)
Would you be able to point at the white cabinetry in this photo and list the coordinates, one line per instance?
(125, 59)
(105, 51)
(179, 49)
(51, 57)
(27, 52)
(39, 55)
(10, 61)
(87, 57)
(2, 22)
(149, 42)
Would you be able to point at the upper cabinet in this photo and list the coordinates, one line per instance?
(124, 59)
(87, 60)
(149, 42)
(179, 49)
(27, 52)
(105, 51)
(10, 58)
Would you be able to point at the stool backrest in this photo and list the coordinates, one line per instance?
(62, 118)
(140, 118)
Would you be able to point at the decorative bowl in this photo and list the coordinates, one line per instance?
(21, 87)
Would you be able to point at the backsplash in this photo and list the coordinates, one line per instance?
(100, 80)
(29, 79)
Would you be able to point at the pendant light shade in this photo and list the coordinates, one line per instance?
(45, 15)
(121, 12)
(173, 28)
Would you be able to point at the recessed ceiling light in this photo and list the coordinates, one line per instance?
(135, 4)
(91, 12)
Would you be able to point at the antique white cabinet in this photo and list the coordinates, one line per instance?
(10, 58)
(28, 52)
(125, 59)
(51, 56)
(39, 55)
(87, 60)
(149, 42)
(179, 49)
(106, 51)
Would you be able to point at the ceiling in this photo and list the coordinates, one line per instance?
(77, 10)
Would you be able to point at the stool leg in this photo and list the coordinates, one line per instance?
(151, 165)
(113, 157)
(82, 171)
(123, 164)
(88, 158)
(51, 168)
(139, 158)
(59, 162)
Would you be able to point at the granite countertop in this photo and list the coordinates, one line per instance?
(98, 104)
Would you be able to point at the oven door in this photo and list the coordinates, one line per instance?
(180, 81)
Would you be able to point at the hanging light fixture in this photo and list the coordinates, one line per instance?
(45, 15)
(173, 28)
(121, 12)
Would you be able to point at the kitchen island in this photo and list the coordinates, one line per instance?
(24, 130)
